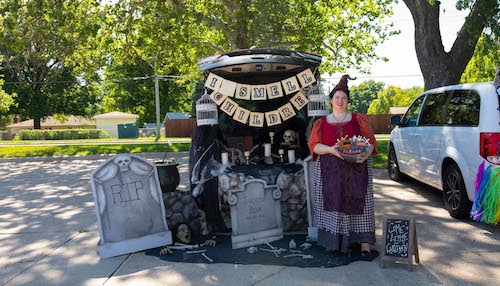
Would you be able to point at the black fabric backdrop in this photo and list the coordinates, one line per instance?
(223, 253)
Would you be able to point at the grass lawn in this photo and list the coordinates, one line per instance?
(88, 149)
(379, 161)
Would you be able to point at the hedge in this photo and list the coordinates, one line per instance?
(65, 134)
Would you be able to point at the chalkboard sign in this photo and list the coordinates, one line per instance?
(399, 240)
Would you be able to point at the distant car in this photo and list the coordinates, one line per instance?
(444, 136)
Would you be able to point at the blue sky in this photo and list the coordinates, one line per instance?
(402, 69)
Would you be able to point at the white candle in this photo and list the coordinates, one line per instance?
(224, 158)
(267, 150)
(291, 156)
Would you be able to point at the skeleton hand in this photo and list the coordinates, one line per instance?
(306, 245)
(166, 250)
(210, 242)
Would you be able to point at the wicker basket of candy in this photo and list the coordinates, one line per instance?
(352, 148)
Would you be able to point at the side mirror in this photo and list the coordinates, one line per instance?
(395, 120)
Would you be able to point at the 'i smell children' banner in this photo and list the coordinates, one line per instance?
(224, 90)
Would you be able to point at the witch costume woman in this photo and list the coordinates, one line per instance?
(344, 205)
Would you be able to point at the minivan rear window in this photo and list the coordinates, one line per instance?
(463, 108)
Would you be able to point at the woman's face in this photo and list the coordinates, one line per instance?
(339, 100)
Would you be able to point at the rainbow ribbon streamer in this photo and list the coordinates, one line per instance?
(486, 207)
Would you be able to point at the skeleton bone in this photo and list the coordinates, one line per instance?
(208, 258)
(272, 247)
(306, 246)
(181, 246)
(276, 252)
(196, 251)
(304, 256)
(295, 251)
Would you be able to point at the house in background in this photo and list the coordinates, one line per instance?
(109, 121)
(73, 122)
(398, 110)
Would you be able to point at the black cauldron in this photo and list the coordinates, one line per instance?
(168, 175)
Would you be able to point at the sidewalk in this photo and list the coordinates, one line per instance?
(48, 236)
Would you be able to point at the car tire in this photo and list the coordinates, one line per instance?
(455, 196)
(393, 166)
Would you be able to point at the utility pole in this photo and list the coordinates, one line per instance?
(157, 103)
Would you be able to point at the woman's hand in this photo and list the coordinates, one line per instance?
(367, 154)
(335, 151)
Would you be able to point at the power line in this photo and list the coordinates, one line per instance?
(162, 77)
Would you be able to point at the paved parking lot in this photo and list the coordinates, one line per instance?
(48, 236)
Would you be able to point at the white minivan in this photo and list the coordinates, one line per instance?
(444, 136)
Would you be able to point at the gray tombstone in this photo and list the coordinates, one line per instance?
(255, 214)
(129, 206)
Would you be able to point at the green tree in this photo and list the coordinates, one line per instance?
(438, 66)
(128, 90)
(363, 94)
(393, 96)
(345, 34)
(482, 66)
(6, 101)
(44, 48)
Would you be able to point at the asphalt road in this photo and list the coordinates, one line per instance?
(48, 236)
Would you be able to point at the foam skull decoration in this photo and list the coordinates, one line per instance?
(122, 161)
(290, 136)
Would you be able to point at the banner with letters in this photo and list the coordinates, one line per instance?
(225, 91)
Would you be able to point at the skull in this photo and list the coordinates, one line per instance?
(122, 161)
(289, 136)
(183, 233)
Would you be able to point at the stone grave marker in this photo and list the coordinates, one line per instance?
(255, 214)
(129, 206)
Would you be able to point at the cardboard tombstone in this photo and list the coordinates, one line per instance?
(129, 206)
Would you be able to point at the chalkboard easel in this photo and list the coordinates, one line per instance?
(399, 240)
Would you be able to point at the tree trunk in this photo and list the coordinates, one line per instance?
(439, 67)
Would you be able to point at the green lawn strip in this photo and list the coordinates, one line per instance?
(379, 161)
(71, 150)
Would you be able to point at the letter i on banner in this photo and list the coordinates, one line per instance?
(213, 82)
(241, 115)
(306, 78)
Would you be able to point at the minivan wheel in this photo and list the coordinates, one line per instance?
(392, 165)
(454, 193)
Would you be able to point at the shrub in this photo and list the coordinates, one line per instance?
(66, 134)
